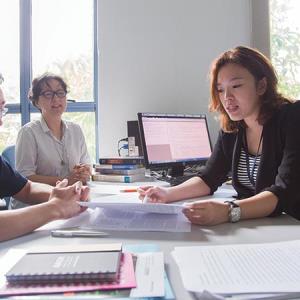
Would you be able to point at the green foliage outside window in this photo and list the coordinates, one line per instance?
(79, 77)
(285, 47)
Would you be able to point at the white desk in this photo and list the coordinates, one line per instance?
(264, 230)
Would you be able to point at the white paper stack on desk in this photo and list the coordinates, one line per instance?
(253, 271)
(127, 212)
(130, 202)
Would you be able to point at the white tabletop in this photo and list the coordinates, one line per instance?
(263, 230)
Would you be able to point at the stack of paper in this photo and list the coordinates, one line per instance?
(130, 202)
(127, 212)
(264, 270)
(152, 279)
(105, 219)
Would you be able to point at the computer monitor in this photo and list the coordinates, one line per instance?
(174, 141)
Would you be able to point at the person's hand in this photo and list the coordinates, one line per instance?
(81, 172)
(153, 194)
(64, 198)
(206, 212)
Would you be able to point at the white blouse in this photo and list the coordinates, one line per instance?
(39, 152)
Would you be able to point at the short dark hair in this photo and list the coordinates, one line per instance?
(38, 83)
(260, 67)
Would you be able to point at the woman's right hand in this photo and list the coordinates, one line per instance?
(81, 173)
(154, 194)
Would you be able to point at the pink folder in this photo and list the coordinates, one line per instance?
(126, 280)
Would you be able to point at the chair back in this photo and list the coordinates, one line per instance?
(9, 155)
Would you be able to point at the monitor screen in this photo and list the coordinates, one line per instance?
(174, 140)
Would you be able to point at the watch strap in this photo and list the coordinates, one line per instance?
(234, 213)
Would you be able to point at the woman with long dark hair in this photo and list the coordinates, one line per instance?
(258, 142)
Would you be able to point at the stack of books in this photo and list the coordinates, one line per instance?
(120, 169)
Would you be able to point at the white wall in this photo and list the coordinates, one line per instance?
(155, 56)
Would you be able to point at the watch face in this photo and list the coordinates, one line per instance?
(235, 214)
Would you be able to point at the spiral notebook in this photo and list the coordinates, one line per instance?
(125, 280)
(66, 266)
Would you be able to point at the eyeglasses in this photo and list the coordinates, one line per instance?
(3, 112)
(50, 94)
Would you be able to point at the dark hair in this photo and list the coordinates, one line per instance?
(39, 82)
(260, 67)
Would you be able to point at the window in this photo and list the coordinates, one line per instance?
(285, 44)
(48, 36)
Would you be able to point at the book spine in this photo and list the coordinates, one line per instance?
(121, 161)
(118, 167)
(117, 178)
(121, 172)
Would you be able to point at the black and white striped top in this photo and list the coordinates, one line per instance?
(242, 172)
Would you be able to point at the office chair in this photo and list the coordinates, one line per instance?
(9, 155)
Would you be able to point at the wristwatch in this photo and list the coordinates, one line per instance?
(234, 212)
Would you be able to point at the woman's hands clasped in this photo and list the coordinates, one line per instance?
(65, 198)
(81, 172)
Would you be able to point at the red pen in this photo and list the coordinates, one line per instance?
(128, 191)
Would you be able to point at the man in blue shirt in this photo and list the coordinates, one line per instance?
(55, 203)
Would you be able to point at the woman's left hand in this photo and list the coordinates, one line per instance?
(206, 212)
(82, 172)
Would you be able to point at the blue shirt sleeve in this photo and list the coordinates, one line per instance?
(11, 182)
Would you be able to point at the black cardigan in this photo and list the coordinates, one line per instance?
(279, 169)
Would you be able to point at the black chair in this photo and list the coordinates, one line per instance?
(9, 155)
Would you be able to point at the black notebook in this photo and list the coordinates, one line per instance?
(55, 267)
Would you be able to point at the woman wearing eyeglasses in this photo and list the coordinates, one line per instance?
(51, 149)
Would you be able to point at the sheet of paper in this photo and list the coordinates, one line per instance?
(82, 221)
(117, 198)
(108, 219)
(141, 248)
(131, 202)
(149, 272)
(240, 269)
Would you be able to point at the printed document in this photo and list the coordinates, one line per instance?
(240, 269)
(149, 272)
(109, 219)
(131, 202)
